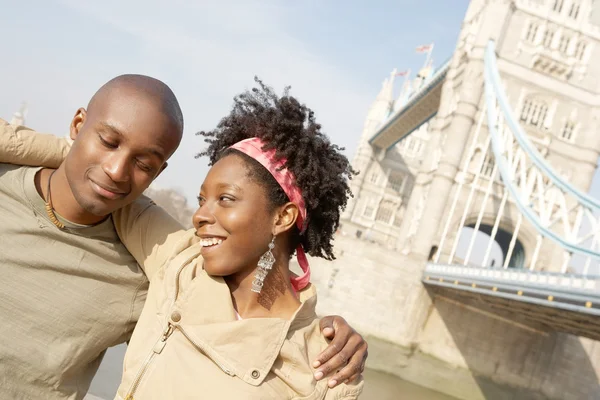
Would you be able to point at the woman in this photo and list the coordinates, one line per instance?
(234, 324)
(276, 186)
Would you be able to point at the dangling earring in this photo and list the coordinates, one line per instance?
(264, 266)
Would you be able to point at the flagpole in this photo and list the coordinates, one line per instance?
(405, 88)
(428, 59)
(406, 80)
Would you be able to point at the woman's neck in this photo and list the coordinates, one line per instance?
(276, 299)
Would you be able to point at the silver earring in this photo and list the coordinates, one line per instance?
(264, 266)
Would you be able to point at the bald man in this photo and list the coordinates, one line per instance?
(68, 287)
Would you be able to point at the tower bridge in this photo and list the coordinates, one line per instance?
(470, 252)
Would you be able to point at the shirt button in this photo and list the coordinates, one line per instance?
(176, 316)
(255, 374)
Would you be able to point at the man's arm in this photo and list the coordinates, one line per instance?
(150, 234)
(347, 353)
(23, 146)
(148, 231)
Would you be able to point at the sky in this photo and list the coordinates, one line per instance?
(334, 54)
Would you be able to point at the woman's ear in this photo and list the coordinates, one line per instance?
(285, 219)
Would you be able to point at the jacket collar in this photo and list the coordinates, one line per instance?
(246, 348)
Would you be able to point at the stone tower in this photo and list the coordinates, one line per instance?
(386, 176)
(545, 52)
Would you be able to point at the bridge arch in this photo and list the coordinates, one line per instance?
(479, 241)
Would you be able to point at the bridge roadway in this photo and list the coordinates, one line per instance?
(562, 302)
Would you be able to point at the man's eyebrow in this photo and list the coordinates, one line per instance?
(111, 128)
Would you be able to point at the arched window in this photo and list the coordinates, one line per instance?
(569, 130)
(488, 165)
(574, 11)
(385, 211)
(374, 177)
(558, 5)
(548, 37)
(563, 45)
(580, 50)
(395, 181)
(369, 210)
(398, 219)
(534, 113)
(412, 146)
(532, 32)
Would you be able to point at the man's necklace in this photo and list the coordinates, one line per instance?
(49, 209)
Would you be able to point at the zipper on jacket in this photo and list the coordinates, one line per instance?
(161, 342)
(157, 349)
(198, 346)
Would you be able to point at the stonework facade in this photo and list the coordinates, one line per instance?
(548, 56)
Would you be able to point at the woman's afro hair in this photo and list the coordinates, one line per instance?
(322, 172)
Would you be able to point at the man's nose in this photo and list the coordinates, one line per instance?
(117, 167)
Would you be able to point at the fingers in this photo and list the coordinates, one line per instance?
(353, 369)
(342, 334)
(351, 352)
(326, 325)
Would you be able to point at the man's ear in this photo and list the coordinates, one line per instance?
(77, 122)
(285, 218)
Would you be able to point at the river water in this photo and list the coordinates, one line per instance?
(378, 385)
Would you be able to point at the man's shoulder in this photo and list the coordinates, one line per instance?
(137, 207)
(13, 167)
(11, 176)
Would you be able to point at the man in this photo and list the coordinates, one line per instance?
(68, 288)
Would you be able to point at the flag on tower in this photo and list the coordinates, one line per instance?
(403, 73)
(426, 48)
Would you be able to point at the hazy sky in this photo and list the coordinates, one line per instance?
(334, 54)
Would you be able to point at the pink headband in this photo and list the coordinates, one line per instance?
(253, 147)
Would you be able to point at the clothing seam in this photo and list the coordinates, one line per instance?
(137, 291)
(29, 201)
(349, 394)
(16, 144)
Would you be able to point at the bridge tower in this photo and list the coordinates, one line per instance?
(547, 55)
(546, 50)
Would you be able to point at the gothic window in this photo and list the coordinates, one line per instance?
(398, 219)
(488, 165)
(563, 46)
(580, 50)
(531, 32)
(548, 36)
(412, 146)
(568, 130)
(384, 213)
(574, 12)
(395, 181)
(558, 5)
(534, 113)
(374, 177)
(369, 210)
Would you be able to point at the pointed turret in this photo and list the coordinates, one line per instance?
(380, 108)
(378, 112)
(19, 116)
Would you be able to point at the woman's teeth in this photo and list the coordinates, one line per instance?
(210, 242)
